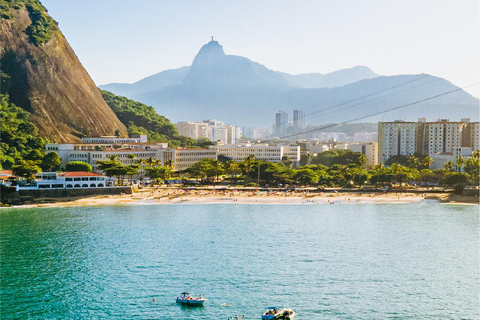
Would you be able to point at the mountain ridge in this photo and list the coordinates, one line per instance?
(240, 91)
(46, 78)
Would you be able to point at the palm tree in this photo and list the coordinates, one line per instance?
(427, 161)
(169, 164)
(448, 166)
(151, 161)
(460, 162)
(131, 156)
(247, 165)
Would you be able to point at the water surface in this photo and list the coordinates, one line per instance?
(402, 261)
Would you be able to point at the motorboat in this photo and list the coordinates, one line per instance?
(186, 299)
(278, 313)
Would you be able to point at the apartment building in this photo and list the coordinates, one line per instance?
(369, 149)
(213, 130)
(194, 130)
(429, 138)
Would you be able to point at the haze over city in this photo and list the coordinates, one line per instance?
(133, 40)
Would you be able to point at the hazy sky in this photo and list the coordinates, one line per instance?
(125, 41)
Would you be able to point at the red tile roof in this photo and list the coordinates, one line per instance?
(6, 173)
(79, 174)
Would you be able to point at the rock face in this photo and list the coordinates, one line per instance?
(49, 81)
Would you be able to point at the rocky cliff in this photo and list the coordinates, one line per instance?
(42, 74)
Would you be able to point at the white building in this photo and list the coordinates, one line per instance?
(388, 140)
(185, 158)
(262, 152)
(369, 149)
(194, 130)
(439, 159)
(115, 140)
(214, 130)
(130, 153)
(69, 180)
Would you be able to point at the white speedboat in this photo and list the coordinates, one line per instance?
(186, 299)
(278, 313)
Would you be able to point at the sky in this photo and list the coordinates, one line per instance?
(125, 41)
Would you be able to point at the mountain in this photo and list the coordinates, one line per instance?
(209, 66)
(155, 82)
(42, 75)
(330, 80)
(242, 92)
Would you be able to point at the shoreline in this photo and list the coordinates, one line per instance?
(155, 196)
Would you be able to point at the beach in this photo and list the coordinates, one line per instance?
(232, 196)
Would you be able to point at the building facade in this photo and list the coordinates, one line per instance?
(281, 123)
(299, 119)
(369, 149)
(428, 138)
(262, 152)
(130, 153)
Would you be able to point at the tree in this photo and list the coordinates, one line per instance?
(399, 159)
(456, 180)
(337, 156)
(231, 168)
(413, 162)
(151, 161)
(427, 162)
(51, 161)
(448, 166)
(472, 167)
(132, 170)
(158, 173)
(78, 166)
(26, 169)
(286, 162)
(247, 165)
(306, 176)
(460, 162)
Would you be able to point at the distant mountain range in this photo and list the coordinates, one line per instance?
(242, 92)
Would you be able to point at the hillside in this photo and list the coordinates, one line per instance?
(242, 92)
(43, 76)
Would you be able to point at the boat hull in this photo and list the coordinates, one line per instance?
(191, 302)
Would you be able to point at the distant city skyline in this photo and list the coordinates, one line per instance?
(124, 41)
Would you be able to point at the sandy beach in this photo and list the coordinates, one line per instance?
(178, 196)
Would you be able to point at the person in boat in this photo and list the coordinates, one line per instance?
(200, 296)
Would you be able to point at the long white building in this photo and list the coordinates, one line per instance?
(262, 152)
(130, 153)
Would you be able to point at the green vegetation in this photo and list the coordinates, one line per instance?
(19, 136)
(27, 169)
(43, 26)
(348, 171)
(142, 119)
(78, 166)
(337, 156)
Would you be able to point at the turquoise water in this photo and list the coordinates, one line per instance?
(413, 261)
